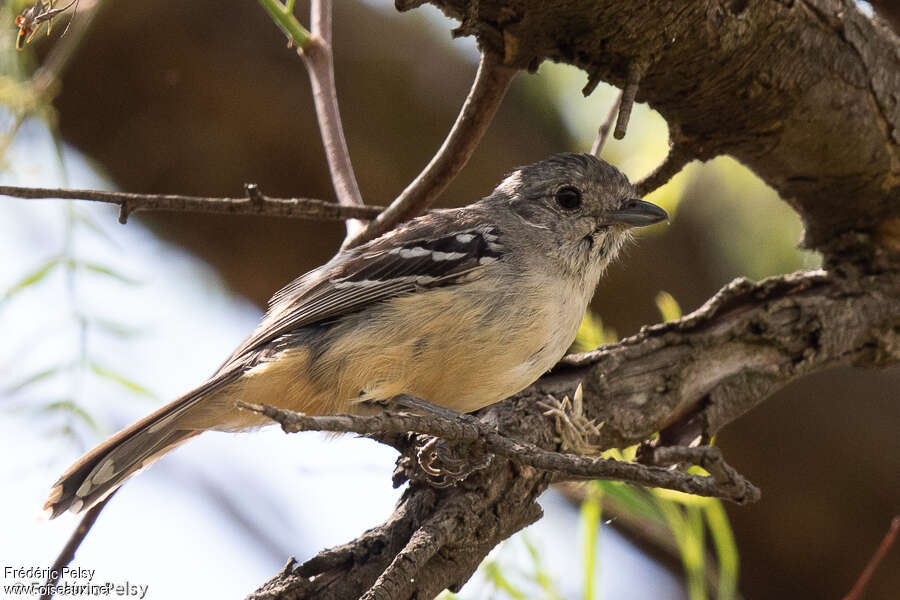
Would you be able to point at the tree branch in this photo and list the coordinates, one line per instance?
(713, 364)
(856, 592)
(801, 92)
(71, 547)
(636, 70)
(319, 60)
(604, 129)
(254, 204)
(466, 429)
(681, 152)
(314, 47)
(491, 82)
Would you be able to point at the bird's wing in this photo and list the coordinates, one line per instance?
(409, 260)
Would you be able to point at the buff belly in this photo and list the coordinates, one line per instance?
(460, 353)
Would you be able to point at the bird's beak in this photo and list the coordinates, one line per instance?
(636, 213)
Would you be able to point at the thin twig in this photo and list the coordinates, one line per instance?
(603, 132)
(44, 83)
(629, 92)
(47, 75)
(708, 457)
(883, 547)
(681, 151)
(467, 429)
(71, 547)
(255, 204)
(319, 60)
(491, 82)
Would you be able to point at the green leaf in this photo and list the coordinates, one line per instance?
(591, 513)
(726, 550)
(35, 377)
(494, 575)
(117, 329)
(31, 279)
(75, 410)
(686, 525)
(668, 306)
(631, 499)
(592, 334)
(540, 574)
(120, 379)
(108, 272)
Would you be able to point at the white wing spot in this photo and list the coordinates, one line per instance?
(465, 238)
(363, 283)
(447, 255)
(376, 282)
(410, 252)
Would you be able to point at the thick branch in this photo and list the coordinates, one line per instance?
(715, 363)
(254, 204)
(804, 92)
(491, 82)
(746, 342)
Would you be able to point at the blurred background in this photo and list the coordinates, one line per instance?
(102, 323)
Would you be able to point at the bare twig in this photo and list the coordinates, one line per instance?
(45, 77)
(467, 429)
(319, 60)
(71, 547)
(255, 204)
(885, 545)
(708, 457)
(43, 84)
(314, 47)
(491, 82)
(603, 132)
(632, 81)
(681, 152)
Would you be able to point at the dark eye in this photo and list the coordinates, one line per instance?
(568, 197)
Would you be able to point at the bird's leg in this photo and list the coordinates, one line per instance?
(443, 462)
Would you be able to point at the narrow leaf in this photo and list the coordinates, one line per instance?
(108, 272)
(726, 549)
(668, 306)
(73, 409)
(591, 513)
(35, 377)
(30, 279)
(121, 380)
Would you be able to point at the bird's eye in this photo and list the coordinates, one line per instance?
(568, 197)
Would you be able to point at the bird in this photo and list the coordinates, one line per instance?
(459, 307)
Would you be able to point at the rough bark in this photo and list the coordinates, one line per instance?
(806, 93)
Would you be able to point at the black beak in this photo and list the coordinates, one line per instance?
(637, 213)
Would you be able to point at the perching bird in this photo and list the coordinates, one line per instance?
(459, 307)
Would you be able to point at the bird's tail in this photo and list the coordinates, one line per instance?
(99, 472)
